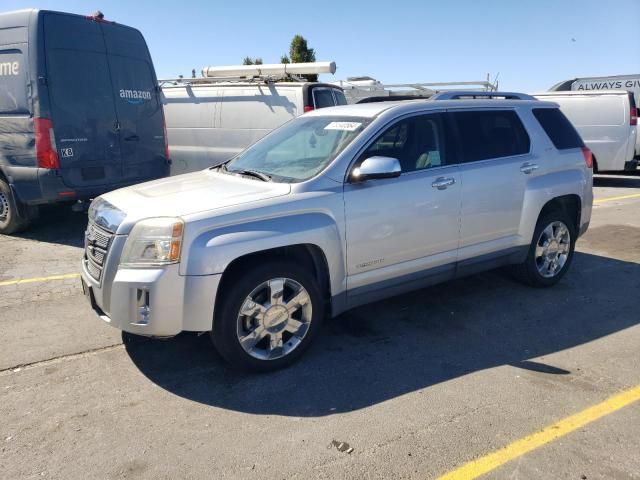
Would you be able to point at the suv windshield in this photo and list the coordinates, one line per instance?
(300, 149)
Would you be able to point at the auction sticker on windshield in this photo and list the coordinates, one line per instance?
(345, 126)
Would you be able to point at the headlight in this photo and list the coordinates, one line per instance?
(105, 215)
(154, 241)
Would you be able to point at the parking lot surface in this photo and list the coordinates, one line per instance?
(416, 386)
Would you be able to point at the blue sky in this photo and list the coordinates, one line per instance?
(531, 44)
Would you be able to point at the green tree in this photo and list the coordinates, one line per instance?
(299, 52)
(284, 59)
(252, 61)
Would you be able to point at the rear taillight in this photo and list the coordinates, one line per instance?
(166, 140)
(634, 116)
(308, 108)
(588, 157)
(45, 144)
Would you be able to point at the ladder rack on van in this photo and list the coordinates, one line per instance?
(359, 88)
(267, 73)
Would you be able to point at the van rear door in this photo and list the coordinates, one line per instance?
(137, 102)
(81, 101)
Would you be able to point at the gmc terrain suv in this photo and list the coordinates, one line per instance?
(337, 208)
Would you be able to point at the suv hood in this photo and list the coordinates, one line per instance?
(179, 196)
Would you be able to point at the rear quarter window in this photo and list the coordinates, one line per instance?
(486, 134)
(13, 82)
(559, 129)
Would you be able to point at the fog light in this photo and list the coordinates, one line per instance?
(143, 310)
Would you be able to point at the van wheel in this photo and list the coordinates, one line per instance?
(551, 251)
(10, 221)
(268, 316)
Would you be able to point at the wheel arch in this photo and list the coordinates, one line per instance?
(563, 190)
(307, 254)
(570, 204)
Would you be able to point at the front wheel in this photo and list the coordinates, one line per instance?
(268, 316)
(10, 221)
(551, 251)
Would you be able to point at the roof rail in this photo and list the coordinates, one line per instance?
(467, 94)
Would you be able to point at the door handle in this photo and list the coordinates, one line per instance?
(132, 138)
(442, 183)
(527, 168)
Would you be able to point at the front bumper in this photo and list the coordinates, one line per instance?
(152, 301)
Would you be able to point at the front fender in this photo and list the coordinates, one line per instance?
(213, 250)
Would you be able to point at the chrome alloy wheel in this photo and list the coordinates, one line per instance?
(274, 318)
(4, 207)
(552, 249)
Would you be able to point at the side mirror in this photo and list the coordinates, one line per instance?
(376, 167)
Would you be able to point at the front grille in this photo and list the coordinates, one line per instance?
(96, 246)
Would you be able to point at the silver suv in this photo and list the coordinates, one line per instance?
(340, 207)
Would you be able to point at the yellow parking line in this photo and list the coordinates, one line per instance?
(39, 279)
(611, 199)
(548, 434)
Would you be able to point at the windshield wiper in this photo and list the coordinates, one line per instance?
(252, 173)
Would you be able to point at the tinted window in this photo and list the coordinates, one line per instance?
(558, 128)
(490, 134)
(417, 142)
(13, 82)
(323, 97)
(340, 98)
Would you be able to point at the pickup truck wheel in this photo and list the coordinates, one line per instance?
(268, 316)
(551, 251)
(10, 222)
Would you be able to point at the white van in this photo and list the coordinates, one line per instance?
(628, 83)
(607, 122)
(209, 123)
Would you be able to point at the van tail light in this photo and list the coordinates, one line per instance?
(588, 157)
(45, 144)
(166, 140)
(308, 108)
(634, 116)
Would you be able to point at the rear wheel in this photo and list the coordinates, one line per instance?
(10, 221)
(551, 251)
(268, 316)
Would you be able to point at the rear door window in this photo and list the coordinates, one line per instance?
(486, 134)
(339, 97)
(322, 97)
(562, 134)
(13, 82)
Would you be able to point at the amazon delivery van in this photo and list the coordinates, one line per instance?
(80, 112)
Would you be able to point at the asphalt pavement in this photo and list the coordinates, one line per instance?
(415, 386)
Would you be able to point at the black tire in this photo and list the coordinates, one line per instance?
(233, 295)
(528, 272)
(10, 220)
